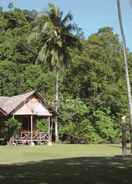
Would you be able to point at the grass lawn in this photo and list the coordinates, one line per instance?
(64, 164)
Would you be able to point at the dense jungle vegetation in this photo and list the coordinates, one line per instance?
(92, 87)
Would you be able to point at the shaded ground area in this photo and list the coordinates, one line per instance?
(64, 164)
(83, 170)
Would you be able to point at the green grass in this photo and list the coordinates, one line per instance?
(18, 154)
(64, 164)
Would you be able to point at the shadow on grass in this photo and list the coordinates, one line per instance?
(85, 170)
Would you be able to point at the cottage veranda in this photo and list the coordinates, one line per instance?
(27, 108)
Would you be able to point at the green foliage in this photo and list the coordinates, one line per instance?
(105, 126)
(73, 118)
(13, 126)
(42, 125)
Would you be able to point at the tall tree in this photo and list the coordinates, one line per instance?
(57, 34)
(126, 68)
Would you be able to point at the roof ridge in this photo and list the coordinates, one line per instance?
(13, 102)
(33, 91)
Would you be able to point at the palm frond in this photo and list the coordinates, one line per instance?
(71, 28)
(33, 36)
(68, 18)
(53, 10)
(56, 33)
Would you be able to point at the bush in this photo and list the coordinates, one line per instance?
(13, 126)
(42, 125)
(105, 126)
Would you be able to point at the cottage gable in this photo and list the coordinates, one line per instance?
(25, 104)
(8, 104)
(33, 106)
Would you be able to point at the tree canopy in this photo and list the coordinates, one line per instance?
(93, 94)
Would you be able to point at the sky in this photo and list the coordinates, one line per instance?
(90, 15)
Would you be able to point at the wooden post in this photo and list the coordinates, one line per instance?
(49, 133)
(32, 143)
(124, 136)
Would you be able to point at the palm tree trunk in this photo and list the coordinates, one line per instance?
(126, 69)
(56, 107)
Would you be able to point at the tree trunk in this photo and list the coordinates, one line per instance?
(49, 132)
(126, 70)
(124, 136)
(56, 107)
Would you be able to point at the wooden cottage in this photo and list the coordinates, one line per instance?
(27, 108)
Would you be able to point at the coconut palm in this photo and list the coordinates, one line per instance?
(57, 37)
(126, 67)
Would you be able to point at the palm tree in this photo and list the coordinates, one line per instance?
(126, 68)
(57, 37)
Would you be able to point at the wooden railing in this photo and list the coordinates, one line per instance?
(37, 138)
